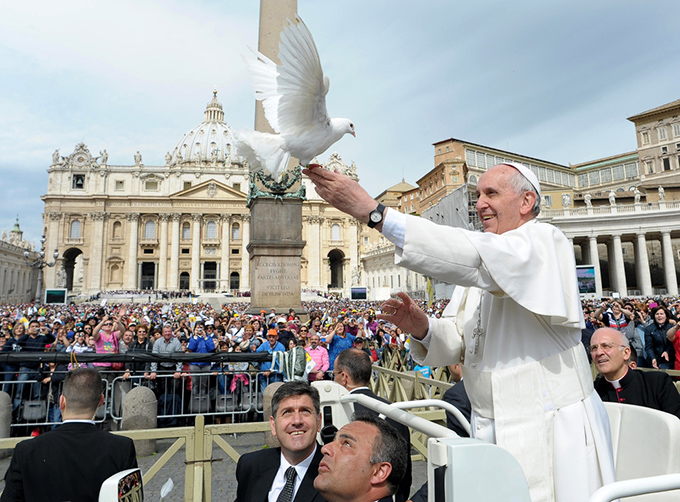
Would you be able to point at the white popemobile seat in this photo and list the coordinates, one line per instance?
(646, 443)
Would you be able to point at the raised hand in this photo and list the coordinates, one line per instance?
(406, 314)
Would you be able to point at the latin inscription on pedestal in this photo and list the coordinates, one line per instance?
(278, 278)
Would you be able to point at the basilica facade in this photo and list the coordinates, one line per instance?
(184, 225)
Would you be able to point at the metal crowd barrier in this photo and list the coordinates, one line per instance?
(210, 393)
(39, 403)
(194, 393)
(178, 399)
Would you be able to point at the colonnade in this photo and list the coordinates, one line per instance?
(615, 243)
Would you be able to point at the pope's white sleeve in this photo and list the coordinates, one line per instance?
(441, 346)
(394, 227)
(440, 251)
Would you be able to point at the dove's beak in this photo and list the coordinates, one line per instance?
(354, 134)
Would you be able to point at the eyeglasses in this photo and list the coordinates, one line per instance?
(108, 324)
(606, 346)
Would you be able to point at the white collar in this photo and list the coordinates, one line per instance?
(302, 466)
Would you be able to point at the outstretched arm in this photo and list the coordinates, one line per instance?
(343, 193)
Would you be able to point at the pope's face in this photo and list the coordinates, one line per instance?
(499, 206)
(296, 425)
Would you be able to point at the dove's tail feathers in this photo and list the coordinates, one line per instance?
(263, 151)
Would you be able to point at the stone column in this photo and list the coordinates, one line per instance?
(52, 244)
(644, 277)
(163, 255)
(245, 264)
(621, 285)
(173, 281)
(354, 263)
(669, 263)
(573, 249)
(131, 265)
(224, 258)
(322, 264)
(96, 251)
(313, 250)
(595, 262)
(195, 251)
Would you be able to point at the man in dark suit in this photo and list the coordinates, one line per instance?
(353, 371)
(72, 461)
(285, 474)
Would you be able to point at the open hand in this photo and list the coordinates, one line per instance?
(404, 312)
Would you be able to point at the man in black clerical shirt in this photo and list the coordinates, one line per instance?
(611, 351)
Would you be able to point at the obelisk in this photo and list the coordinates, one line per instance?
(276, 243)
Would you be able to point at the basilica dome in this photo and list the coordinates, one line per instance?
(210, 142)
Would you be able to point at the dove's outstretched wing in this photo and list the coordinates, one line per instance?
(293, 93)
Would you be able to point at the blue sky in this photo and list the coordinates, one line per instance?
(552, 80)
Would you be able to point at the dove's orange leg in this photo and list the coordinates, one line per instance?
(309, 166)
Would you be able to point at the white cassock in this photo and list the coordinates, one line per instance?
(527, 374)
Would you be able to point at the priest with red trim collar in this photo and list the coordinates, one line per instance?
(619, 383)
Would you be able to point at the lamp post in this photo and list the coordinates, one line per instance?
(40, 263)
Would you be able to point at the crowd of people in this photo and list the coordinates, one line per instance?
(650, 325)
(322, 332)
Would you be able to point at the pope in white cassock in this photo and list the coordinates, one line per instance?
(514, 322)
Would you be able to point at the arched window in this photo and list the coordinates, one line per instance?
(211, 230)
(150, 230)
(235, 232)
(335, 232)
(117, 229)
(75, 229)
(186, 230)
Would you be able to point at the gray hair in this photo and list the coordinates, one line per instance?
(624, 340)
(520, 185)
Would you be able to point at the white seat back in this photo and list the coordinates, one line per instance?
(646, 443)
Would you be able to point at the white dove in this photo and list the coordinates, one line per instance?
(293, 95)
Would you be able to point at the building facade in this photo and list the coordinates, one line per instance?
(621, 213)
(18, 279)
(179, 226)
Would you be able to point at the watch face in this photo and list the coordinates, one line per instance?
(376, 216)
